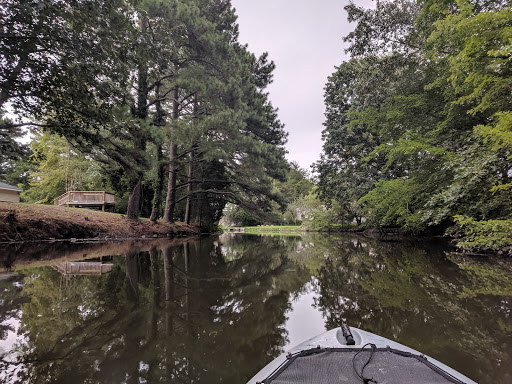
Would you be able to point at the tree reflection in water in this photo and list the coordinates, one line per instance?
(215, 310)
(188, 313)
(418, 297)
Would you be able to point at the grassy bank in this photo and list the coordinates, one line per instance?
(268, 229)
(275, 228)
(25, 222)
(296, 228)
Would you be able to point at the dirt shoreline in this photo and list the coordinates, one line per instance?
(21, 222)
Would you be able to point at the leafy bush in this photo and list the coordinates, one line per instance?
(492, 235)
(392, 202)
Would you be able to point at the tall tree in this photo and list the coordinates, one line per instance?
(178, 91)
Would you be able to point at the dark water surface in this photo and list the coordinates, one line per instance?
(217, 310)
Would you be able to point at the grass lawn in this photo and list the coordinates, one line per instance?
(275, 228)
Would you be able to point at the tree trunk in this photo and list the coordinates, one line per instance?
(168, 274)
(155, 277)
(159, 183)
(197, 211)
(158, 186)
(170, 201)
(169, 309)
(139, 138)
(142, 80)
(505, 178)
(187, 290)
(188, 205)
(132, 275)
(134, 201)
(189, 186)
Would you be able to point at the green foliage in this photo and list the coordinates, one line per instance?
(432, 139)
(314, 214)
(15, 162)
(59, 168)
(393, 202)
(499, 134)
(289, 195)
(296, 185)
(237, 216)
(475, 171)
(491, 235)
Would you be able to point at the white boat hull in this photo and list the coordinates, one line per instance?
(335, 339)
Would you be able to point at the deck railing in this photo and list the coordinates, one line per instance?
(82, 268)
(85, 198)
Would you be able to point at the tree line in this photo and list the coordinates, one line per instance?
(418, 129)
(158, 94)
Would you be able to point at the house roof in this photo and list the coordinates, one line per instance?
(10, 187)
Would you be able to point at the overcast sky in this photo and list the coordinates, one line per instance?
(304, 39)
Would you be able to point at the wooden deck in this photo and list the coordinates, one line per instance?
(86, 199)
(82, 268)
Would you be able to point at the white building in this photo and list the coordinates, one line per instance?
(9, 193)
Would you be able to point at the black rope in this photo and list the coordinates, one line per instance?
(361, 375)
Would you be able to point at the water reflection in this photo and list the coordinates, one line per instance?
(420, 298)
(82, 268)
(186, 313)
(218, 309)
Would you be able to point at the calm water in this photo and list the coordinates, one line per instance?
(217, 310)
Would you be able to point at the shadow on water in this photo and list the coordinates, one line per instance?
(216, 309)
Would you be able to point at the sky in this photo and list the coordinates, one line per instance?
(304, 38)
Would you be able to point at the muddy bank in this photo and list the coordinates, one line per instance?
(28, 222)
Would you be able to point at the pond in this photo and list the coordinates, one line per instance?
(218, 309)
